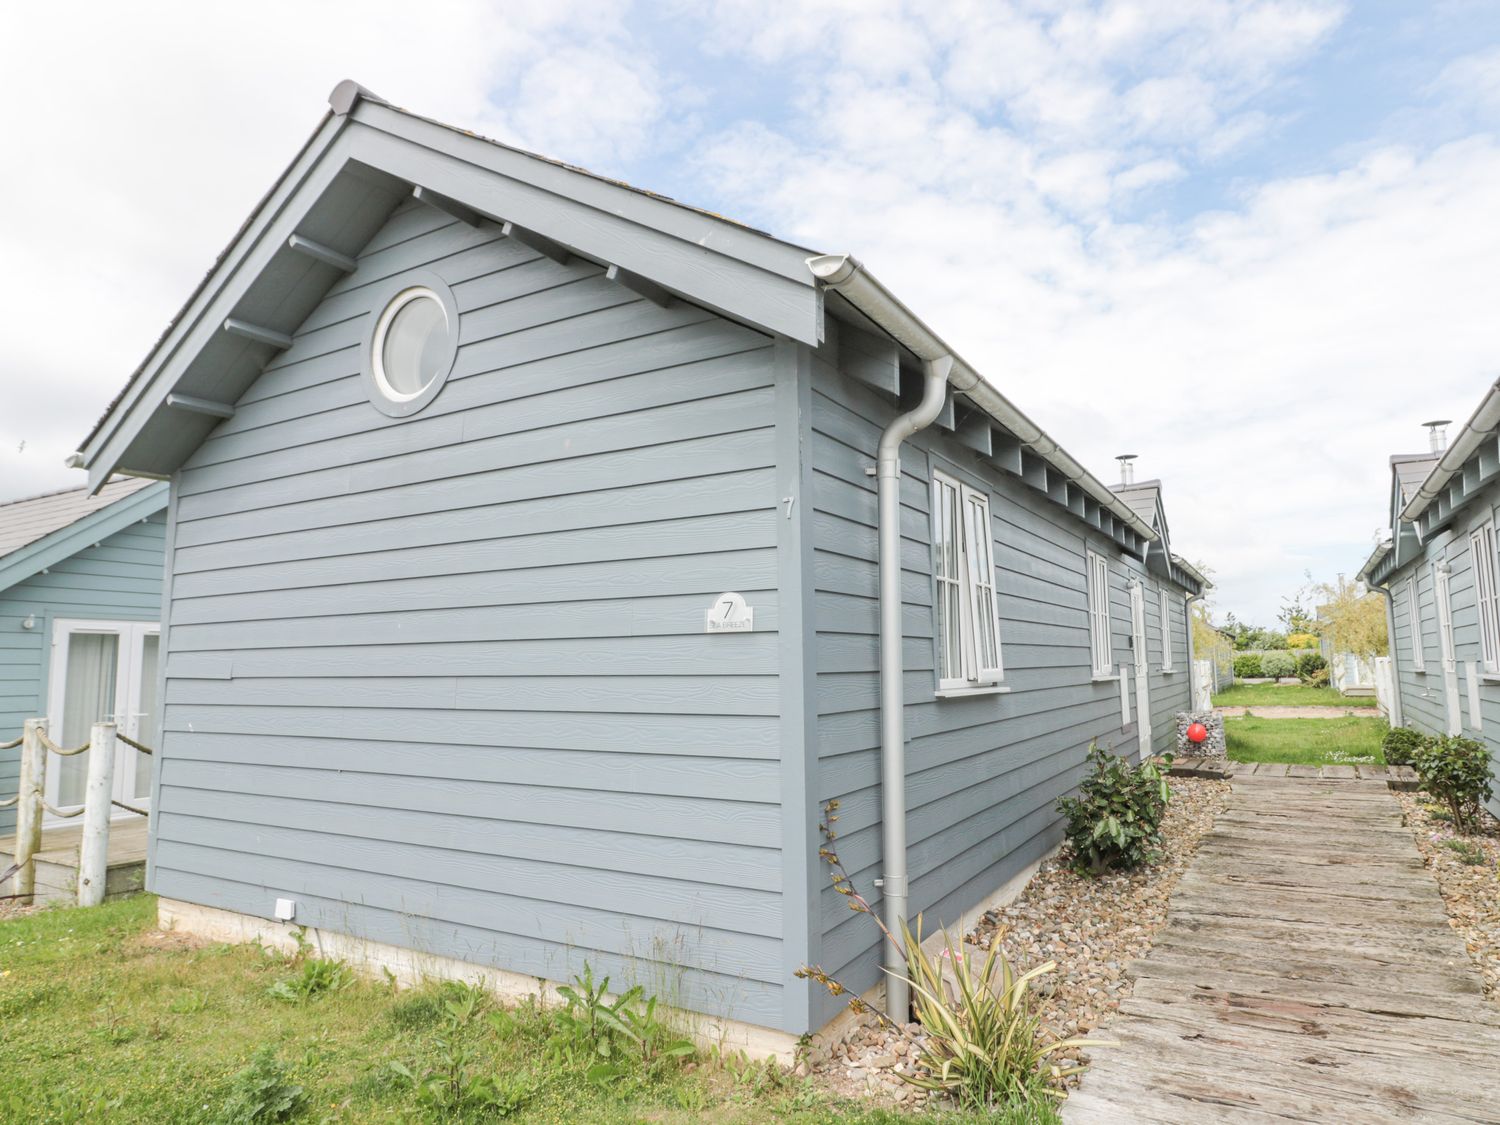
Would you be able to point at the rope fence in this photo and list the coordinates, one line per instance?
(98, 802)
(134, 745)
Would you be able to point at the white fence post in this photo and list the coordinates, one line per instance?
(93, 853)
(1385, 688)
(29, 807)
(1203, 680)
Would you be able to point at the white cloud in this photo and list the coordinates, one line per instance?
(1001, 165)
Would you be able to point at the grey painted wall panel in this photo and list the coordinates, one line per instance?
(118, 579)
(1423, 696)
(984, 772)
(452, 668)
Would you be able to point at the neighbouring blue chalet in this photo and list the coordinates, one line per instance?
(531, 543)
(80, 598)
(1437, 568)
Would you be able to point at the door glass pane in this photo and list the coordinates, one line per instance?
(146, 713)
(88, 698)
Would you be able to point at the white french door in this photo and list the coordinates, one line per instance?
(1142, 672)
(102, 671)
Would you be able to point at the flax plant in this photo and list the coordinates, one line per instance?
(983, 1045)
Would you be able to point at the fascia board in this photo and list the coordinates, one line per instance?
(699, 273)
(265, 237)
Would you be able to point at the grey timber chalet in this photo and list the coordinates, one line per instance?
(524, 586)
(1437, 568)
(80, 602)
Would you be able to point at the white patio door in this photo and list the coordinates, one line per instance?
(1445, 646)
(101, 671)
(1142, 676)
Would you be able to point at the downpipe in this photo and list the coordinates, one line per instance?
(893, 882)
(1397, 717)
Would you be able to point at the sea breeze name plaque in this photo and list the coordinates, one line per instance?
(729, 614)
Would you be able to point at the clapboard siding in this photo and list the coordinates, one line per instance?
(1424, 703)
(443, 679)
(119, 579)
(983, 773)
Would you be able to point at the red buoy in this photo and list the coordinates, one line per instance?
(1197, 733)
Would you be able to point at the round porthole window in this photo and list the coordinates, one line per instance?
(412, 346)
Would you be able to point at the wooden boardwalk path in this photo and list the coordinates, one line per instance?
(1307, 972)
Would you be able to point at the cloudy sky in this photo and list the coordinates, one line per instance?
(1255, 242)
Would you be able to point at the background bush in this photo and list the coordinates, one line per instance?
(1310, 662)
(1115, 821)
(1278, 664)
(1457, 772)
(1399, 745)
(1247, 666)
(1302, 640)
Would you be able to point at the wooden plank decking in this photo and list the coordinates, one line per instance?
(1307, 972)
(57, 862)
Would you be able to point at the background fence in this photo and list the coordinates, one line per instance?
(97, 809)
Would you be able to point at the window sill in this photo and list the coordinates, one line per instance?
(966, 692)
(1169, 672)
(1489, 677)
(1103, 679)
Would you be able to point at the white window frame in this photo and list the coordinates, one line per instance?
(1164, 600)
(1101, 640)
(1414, 621)
(1482, 561)
(964, 571)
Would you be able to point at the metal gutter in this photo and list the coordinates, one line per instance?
(1481, 424)
(845, 274)
(1383, 548)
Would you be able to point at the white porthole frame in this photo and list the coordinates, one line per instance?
(394, 298)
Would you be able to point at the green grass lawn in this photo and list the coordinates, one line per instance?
(1316, 742)
(103, 1019)
(1287, 695)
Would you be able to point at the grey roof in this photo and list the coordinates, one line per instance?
(1142, 497)
(1411, 470)
(360, 163)
(24, 521)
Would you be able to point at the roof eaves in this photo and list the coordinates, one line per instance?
(203, 283)
(1480, 425)
(68, 540)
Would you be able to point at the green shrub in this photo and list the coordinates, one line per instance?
(1115, 821)
(984, 1046)
(1278, 664)
(1316, 679)
(1456, 771)
(1399, 745)
(262, 1092)
(1247, 666)
(1310, 662)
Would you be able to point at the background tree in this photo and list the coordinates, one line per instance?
(1295, 617)
(1352, 618)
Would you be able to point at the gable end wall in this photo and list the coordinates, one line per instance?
(444, 681)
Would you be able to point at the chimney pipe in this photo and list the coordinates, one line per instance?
(1127, 469)
(1437, 434)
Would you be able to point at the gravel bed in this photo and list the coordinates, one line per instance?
(1092, 928)
(1471, 891)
